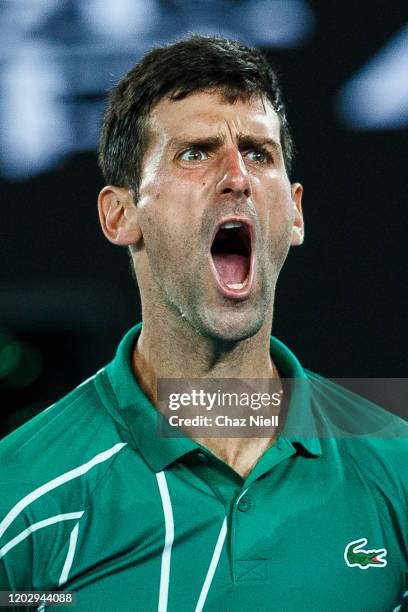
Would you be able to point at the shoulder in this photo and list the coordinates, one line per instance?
(350, 410)
(79, 420)
(49, 467)
(372, 438)
(76, 430)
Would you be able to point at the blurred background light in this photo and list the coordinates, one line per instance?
(35, 121)
(20, 362)
(10, 351)
(119, 19)
(281, 23)
(376, 97)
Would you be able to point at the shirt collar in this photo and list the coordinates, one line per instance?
(300, 426)
(139, 413)
(142, 417)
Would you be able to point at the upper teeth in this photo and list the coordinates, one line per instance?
(231, 224)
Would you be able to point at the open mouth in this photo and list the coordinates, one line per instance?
(231, 255)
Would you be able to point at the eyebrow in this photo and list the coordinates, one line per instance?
(211, 143)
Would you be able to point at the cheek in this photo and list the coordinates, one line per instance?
(164, 195)
(170, 213)
(276, 211)
(165, 238)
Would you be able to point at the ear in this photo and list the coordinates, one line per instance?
(118, 216)
(298, 230)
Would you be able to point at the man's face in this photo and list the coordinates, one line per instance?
(216, 211)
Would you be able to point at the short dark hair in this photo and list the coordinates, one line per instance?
(197, 63)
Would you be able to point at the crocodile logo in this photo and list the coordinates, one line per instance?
(355, 556)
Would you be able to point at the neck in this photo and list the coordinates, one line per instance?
(168, 347)
(166, 351)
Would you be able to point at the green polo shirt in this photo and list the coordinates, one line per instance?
(93, 501)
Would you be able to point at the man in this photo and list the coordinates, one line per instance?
(196, 153)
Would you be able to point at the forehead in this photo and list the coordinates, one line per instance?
(205, 113)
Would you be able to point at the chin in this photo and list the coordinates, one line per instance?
(230, 327)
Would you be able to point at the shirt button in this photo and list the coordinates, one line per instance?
(245, 503)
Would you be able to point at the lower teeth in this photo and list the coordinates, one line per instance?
(235, 285)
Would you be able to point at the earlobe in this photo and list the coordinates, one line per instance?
(118, 216)
(298, 229)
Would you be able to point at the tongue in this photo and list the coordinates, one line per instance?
(231, 267)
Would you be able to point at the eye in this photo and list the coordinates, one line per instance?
(193, 154)
(260, 156)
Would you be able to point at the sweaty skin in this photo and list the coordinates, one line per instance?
(208, 160)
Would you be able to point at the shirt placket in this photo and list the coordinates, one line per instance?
(245, 512)
(240, 499)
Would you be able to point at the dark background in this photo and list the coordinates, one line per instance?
(67, 295)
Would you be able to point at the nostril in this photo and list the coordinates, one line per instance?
(246, 192)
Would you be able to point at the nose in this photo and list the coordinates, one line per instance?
(233, 175)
